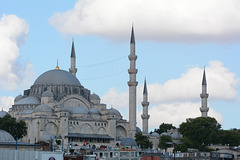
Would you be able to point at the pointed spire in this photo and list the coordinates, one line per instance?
(73, 49)
(145, 87)
(57, 67)
(132, 37)
(204, 82)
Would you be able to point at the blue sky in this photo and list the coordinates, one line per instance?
(174, 41)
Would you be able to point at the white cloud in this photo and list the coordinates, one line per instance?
(165, 20)
(13, 73)
(178, 99)
(6, 103)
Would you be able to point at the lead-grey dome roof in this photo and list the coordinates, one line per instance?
(94, 97)
(94, 111)
(28, 100)
(79, 110)
(2, 113)
(57, 77)
(47, 94)
(128, 142)
(5, 136)
(43, 108)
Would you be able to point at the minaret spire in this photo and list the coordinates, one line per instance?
(73, 68)
(204, 109)
(132, 83)
(145, 105)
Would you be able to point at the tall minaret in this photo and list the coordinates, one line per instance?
(204, 109)
(73, 68)
(145, 105)
(132, 83)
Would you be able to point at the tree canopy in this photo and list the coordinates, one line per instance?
(163, 141)
(164, 127)
(143, 141)
(201, 131)
(16, 129)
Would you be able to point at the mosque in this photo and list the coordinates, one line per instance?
(58, 106)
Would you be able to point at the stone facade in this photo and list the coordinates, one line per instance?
(58, 106)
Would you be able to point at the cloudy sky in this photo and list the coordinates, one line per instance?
(175, 39)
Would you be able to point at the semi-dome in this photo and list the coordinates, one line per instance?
(25, 112)
(18, 98)
(155, 134)
(57, 77)
(47, 94)
(114, 112)
(29, 100)
(79, 110)
(5, 136)
(94, 97)
(94, 111)
(138, 130)
(2, 113)
(176, 136)
(128, 142)
(43, 108)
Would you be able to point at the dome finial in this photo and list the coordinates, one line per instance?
(57, 65)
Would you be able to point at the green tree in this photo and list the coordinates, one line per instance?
(163, 141)
(16, 129)
(229, 137)
(164, 127)
(201, 131)
(143, 141)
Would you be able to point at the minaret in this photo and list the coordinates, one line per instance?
(204, 109)
(145, 105)
(73, 68)
(132, 83)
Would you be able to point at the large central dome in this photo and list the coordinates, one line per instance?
(57, 77)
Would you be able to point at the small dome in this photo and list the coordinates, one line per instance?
(94, 97)
(114, 112)
(94, 111)
(47, 94)
(62, 108)
(164, 133)
(79, 110)
(128, 142)
(28, 100)
(46, 137)
(43, 108)
(138, 130)
(25, 112)
(57, 77)
(18, 98)
(6, 137)
(176, 136)
(155, 134)
(2, 113)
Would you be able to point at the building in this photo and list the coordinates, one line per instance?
(57, 106)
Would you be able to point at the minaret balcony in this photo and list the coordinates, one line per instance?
(132, 71)
(145, 116)
(132, 83)
(203, 109)
(204, 95)
(145, 104)
(132, 57)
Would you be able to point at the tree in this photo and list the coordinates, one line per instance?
(163, 141)
(164, 127)
(201, 131)
(16, 129)
(143, 141)
(229, 137)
